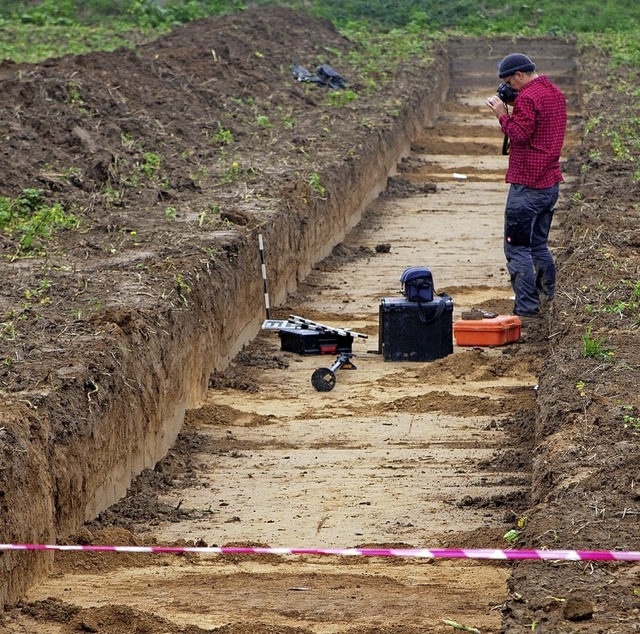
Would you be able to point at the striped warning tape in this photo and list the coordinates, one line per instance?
(431, 553)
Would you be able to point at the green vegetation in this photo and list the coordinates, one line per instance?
(619, 135)
(631, 421)
(32, 221)
(341, 97)
(25, 310)
(316, 184)
(623, 301)
(209, 217)
(630, 417)
(595, 348)
(223, 136)
(183, 289)
(30, 32)
(381, 51)
(617, 44)
(498, 16)
(263, 121)
(629, 305)
(32, 43)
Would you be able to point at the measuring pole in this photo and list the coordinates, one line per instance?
(263, 266)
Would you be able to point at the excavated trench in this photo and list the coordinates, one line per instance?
(414, 454)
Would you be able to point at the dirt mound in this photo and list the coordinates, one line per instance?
(164, 154)
(155, 152)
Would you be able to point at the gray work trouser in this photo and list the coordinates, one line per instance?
(528, 217)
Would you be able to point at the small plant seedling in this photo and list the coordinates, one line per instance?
(592, 123)
(288, 122)
(74, 97)
(213, 218)
(183, 288)
(595, 348)
(632, 422)
(128, 141)
(511, 536)
(263, 121)
(8, 330)
(223, 136)
(316, 185)
(150, 164)
(95, 303)
(341, 97)
(630, 417)
(38, 295)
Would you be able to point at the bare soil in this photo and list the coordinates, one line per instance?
(449, 453)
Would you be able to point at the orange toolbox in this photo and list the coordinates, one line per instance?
(495, 331)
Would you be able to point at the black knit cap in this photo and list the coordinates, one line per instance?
(513, 63)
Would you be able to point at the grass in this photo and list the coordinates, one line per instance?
(32, 43)
(545, 17)
(595, 348)
(51, 28)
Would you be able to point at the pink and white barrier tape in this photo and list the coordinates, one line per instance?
(443, 553)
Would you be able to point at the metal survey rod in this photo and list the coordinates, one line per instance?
(265, 284)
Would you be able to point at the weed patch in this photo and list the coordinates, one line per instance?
(595, 348)
(33, 222)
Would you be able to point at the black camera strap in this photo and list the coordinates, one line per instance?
(505, 141)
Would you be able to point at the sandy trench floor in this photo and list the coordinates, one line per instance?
(396, 453)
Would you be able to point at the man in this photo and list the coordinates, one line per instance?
(535, 130)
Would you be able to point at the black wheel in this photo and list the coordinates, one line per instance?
(323, 379)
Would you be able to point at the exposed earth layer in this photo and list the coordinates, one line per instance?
(175, 156)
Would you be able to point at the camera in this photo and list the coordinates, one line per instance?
(506, 93)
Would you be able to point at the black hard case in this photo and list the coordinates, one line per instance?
(412, 331)
(310, 341)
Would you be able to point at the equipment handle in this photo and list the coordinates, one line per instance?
(439, 310)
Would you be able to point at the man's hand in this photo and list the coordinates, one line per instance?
(496, 104)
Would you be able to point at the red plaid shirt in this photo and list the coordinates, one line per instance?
(536, 131)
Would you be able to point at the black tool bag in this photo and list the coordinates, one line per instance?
(417, 284)
(415, 331)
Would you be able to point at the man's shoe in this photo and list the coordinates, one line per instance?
(531, 321)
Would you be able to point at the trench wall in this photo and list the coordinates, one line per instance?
(66, 477)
